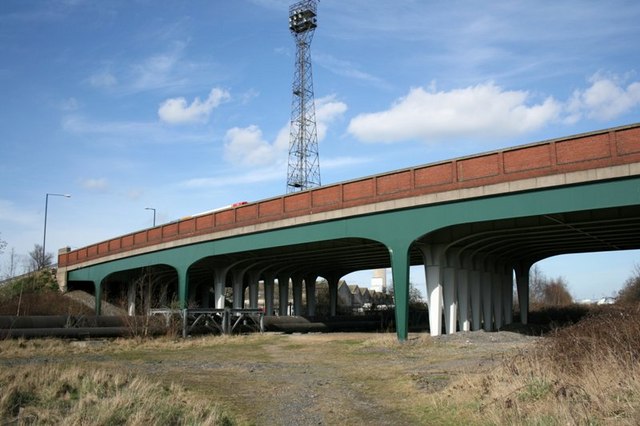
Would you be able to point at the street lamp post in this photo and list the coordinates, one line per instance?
(154, 215)
(44, 236)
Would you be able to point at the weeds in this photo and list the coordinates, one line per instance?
(74, 395)
(587, 373)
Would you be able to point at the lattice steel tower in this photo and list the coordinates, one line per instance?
(304, 166)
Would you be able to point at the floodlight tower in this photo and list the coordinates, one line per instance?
(304, 166)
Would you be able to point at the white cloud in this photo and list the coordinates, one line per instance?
(348, 69)
(176, 110)
(159, 70)
(103, 79)
(246, 146)
(484, 111)
(328, 110)
(247, 177)
(605, 99)
(95, 184)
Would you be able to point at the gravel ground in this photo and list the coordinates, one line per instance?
(307, 379)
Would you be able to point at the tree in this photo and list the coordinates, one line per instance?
(556, 293)
(630, 292)
(38, 259)
(3, 245)
(544, 291)
(12, 264)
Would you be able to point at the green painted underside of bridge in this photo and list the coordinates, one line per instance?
(396, 230)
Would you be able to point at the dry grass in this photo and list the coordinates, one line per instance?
(587, 373)
(57, 394)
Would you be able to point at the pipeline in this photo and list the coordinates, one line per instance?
(78, 327)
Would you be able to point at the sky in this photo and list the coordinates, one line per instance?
(184, 106)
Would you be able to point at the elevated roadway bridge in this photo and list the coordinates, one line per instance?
(473, 222)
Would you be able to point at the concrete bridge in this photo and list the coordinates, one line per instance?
(473, 222)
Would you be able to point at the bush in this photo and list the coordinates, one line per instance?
(37, 294)
(630, 292)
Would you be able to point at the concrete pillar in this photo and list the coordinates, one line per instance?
(98, 293)
(219, 283)
(522, 282)
(333, 294)
(204, 296)
(507, 295)
(131, 298)
(283, 297)
(450, 299)
(462, 282)
(163, 290)
(268, 294)
(496, 288)
(296, 282)
(487, 299)
(238, 289)
(254, 278)
(434, 297)
(432, 256)
(475, 293)
(310, 289)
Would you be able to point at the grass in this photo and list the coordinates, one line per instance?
(45, 394)
(585, 371)
(37, 294)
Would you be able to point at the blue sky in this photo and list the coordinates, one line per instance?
(183, 106)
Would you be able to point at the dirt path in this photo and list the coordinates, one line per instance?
(308, 379)
(321, 379)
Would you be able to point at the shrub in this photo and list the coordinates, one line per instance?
(630, 292)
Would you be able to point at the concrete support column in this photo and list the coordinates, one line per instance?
(522, 282)
(204, 296)
(487, 299)
(297, 294)
(254, 278)
(434, 297)
(475, 293)
(310, 289)
(238, 289)
(333, 294)
(432, 256)
(450, 299)
(462, 282)
(283, 294)
(268, 294)
(220, 277)
(163, 290)
(98, 293)
(496, 287)
(507, 295)
(131, 298)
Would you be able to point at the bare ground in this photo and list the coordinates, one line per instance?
(306, 379)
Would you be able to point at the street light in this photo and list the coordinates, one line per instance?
(154, 215)
(44, 236)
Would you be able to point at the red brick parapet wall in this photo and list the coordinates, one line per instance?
(606, 148)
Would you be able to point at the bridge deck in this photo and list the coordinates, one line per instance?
(589, 151)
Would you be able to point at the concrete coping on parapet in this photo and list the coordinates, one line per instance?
(529, 184)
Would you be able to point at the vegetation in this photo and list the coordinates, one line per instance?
(37, 294)
(547, 292)
(630, 292)
(587, 373)
(38, 259)
(43, 394)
